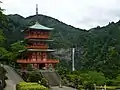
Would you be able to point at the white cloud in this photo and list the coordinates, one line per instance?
(79, 13)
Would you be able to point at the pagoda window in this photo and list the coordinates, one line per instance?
(34, 56)
(39, 43)
(34, 44)
(41, 33)
(34, 33)
(30, 57)
(44, 56)
(38, 56)
(46, 33)
(38, 33)
(42, 44)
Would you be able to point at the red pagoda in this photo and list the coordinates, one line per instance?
(37, 50)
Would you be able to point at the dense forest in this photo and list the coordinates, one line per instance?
(96, 49)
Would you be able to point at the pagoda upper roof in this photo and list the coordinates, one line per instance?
(39, 27)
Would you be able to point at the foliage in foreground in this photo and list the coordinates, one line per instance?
(35, 77)
(3, 76)
(30, 86)
(87, 79)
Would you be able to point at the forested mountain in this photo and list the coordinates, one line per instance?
(96, 49)
(64, 35)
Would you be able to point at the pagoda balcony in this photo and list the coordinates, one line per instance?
(37, 36)
(37, 47)
(30, 61)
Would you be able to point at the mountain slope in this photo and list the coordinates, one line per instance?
(96, 49)
(64, 35)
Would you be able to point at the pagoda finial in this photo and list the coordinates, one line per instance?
(36, 9)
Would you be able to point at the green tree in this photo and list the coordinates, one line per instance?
(15, 48)
(97, 77)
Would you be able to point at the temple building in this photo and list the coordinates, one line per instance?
(37, 49)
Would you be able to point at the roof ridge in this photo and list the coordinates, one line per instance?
(37, 25)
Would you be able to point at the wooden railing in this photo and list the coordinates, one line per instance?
(37, 47)
(37, 61)
(37, 36)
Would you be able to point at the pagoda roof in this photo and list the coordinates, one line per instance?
(39, 27)
(37, 50)
(46, 40)
(42, 50)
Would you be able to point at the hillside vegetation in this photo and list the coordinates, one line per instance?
(97, 49)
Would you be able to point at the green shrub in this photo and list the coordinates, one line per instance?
(3, 77)
(44, 82)
(3, 70)
(30, 86)
(34, 77)
(29, 67)
(74, 80)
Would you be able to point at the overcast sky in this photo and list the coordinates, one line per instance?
(83, 14)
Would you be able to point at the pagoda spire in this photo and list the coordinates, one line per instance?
(36, 13)
(37, 9)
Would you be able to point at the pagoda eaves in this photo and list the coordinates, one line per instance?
(40, 27)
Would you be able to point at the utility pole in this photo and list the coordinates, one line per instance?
(73, 59)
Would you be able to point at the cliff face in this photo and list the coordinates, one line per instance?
(62, 54)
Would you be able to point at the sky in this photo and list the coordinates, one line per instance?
(84, 14)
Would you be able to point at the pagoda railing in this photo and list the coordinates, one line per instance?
(37, 36)
(37, 47)
(37, 61)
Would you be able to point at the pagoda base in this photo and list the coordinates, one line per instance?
(31, 61)
(38, 64)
